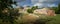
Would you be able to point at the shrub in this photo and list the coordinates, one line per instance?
(30, 11)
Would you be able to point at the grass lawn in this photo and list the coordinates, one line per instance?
(56, 21)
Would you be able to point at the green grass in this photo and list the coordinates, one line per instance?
(56, 21)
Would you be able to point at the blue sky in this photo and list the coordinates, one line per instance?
(41, 3)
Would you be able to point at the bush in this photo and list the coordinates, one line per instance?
(30, 11)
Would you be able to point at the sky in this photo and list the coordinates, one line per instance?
(40, 3)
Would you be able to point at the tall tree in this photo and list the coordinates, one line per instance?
(3, 5)
(6, 4)
(59, 8)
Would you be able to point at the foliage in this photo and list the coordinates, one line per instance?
(10, 15)
(57, 9)
(34, 7)
(5, 3)
(30, 11)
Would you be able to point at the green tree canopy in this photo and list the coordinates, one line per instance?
(59, 8)
(34, 7)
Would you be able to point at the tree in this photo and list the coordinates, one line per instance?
(5, 4)
(55, 9)
(30, 11)
(34, 7)
(59, 8)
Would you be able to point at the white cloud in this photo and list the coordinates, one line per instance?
(41, 1)
(38, 4)
(44, 3)
(52, 5)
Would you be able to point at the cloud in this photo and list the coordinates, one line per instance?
(38, 4)
(41, 3)
(44, 3)
(52, 5)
